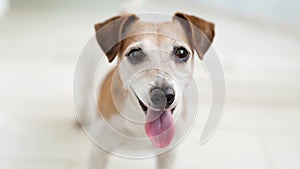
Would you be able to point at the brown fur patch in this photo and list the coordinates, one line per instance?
(106, 104)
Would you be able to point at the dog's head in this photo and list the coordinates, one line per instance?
(155, 63)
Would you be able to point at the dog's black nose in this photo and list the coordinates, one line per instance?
(162, 98)
(158, 98)
(170, 95)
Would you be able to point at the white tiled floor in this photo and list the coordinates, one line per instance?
(38, 50)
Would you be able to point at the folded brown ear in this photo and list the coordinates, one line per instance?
(200, 32)
(109, 34)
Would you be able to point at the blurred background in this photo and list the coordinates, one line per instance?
(258, 43)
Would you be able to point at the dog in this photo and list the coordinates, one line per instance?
(154, 64)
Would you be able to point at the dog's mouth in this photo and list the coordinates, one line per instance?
(159, 125)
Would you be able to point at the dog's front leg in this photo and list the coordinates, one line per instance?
(166, 160)
(103, 136)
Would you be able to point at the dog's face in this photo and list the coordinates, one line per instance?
(155, 63)
(156, 56)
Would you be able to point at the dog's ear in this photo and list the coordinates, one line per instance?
(200, 32)
(109, 34)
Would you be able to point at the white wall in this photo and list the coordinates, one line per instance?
(4, 5)
(285, 12)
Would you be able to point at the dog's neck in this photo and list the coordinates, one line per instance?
(106, 104)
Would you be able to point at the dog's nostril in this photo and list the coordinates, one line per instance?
(170, 99)
(170, 95)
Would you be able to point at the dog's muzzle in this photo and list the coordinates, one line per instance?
(158, 94)
(155, 89)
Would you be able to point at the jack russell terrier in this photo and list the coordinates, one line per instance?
(154, 65)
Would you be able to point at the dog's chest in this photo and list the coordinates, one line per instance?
(130, 132)
(133, 119)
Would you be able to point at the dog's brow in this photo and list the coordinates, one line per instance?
(135, 44)
(178, 42)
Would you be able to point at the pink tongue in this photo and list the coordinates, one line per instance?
(161, 128)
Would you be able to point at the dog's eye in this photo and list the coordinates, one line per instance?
(181, 53)
(135, 55)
